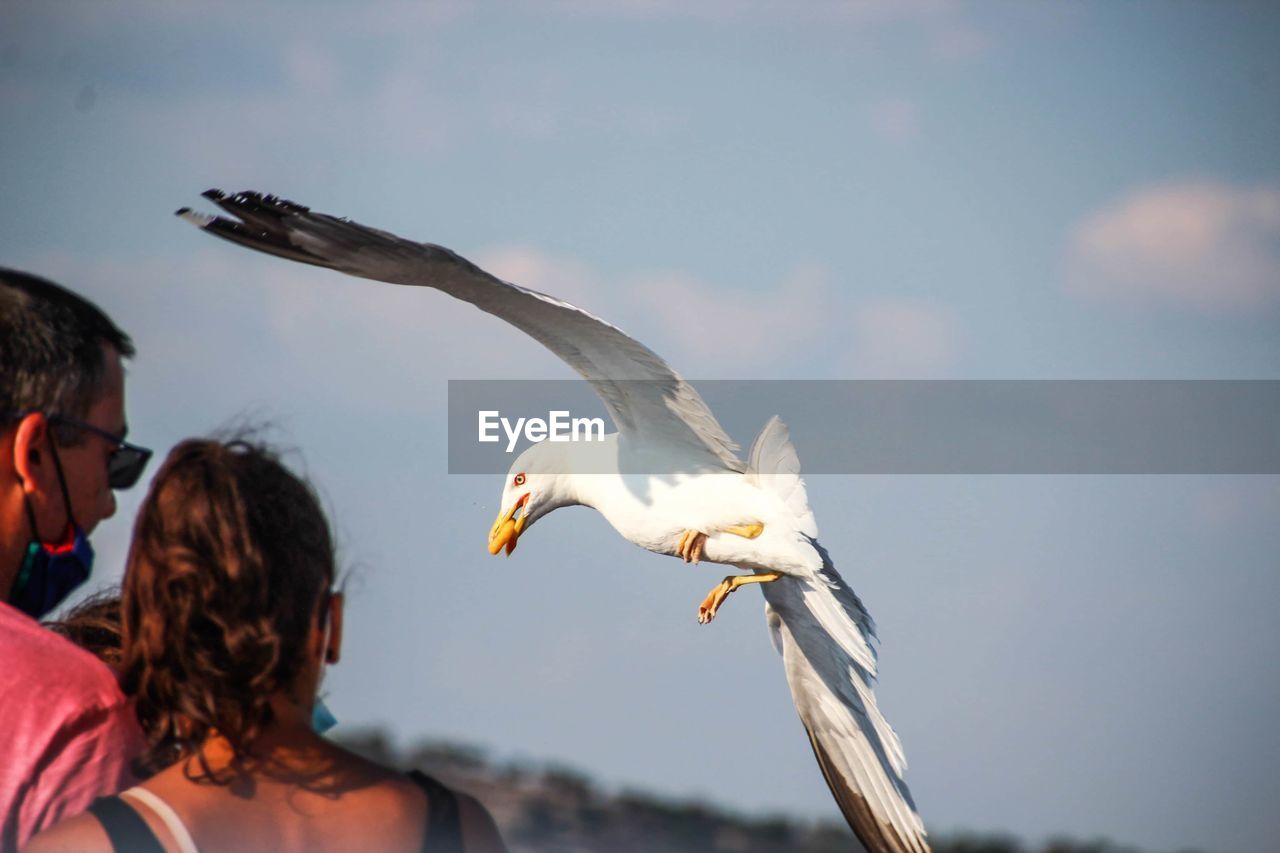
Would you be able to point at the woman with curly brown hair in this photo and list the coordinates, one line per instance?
(229, 617)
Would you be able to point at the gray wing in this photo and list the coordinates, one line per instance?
(858, 752)
(660, 408)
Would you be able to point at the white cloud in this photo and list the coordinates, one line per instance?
(902, 339)
(312, 68)
(1199, 244)
(895, 119)
(698, 327)
(704, 329)
(563, 277)
(722, 329)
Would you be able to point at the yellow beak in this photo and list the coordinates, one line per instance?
(506, 530)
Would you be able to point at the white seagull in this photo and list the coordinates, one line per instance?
(706, 504)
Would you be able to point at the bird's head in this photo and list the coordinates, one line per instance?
(536, 484)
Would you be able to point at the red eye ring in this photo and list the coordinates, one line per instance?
(519, 480)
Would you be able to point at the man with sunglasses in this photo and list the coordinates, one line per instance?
(67, 734)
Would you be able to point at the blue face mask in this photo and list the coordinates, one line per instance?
(50, 572)
(322, 719)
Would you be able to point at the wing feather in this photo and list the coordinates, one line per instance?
(643, 395)
(858, 752)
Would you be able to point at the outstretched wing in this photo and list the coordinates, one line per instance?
(659, 409)
(859, 753)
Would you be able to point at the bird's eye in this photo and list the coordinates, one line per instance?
(519, 480)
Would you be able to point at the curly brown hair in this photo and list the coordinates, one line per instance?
(230, 559)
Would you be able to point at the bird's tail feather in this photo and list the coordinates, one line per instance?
(774, 465)
(840, 612)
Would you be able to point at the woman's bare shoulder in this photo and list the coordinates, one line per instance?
(375, 779)
(375, 789)
(80, 833)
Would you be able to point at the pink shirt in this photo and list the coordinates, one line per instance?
(67, 733)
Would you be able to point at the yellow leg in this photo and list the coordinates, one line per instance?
(691, 544)
(707, 609)
(746, 531)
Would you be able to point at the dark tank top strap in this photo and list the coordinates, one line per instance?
(127, 830)
(444, 826)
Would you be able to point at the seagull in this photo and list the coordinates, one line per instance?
(704, 502)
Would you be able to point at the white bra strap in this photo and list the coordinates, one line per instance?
(167, 816)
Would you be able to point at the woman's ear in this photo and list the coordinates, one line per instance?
(336, 605)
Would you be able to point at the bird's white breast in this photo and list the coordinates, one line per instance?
(654, 511)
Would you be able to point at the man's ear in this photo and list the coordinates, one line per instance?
(30, 456)
(336, 605)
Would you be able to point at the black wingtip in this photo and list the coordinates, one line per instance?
(247, 202)
(181, 211)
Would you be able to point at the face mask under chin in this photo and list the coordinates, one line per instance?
(49, 573)
(322, 719)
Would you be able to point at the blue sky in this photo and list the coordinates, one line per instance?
(757, 190)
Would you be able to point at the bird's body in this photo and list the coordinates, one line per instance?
(670, 481)
(654, 510)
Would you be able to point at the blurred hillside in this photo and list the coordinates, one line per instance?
(554, 809)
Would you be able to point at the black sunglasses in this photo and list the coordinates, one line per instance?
(126, 462)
